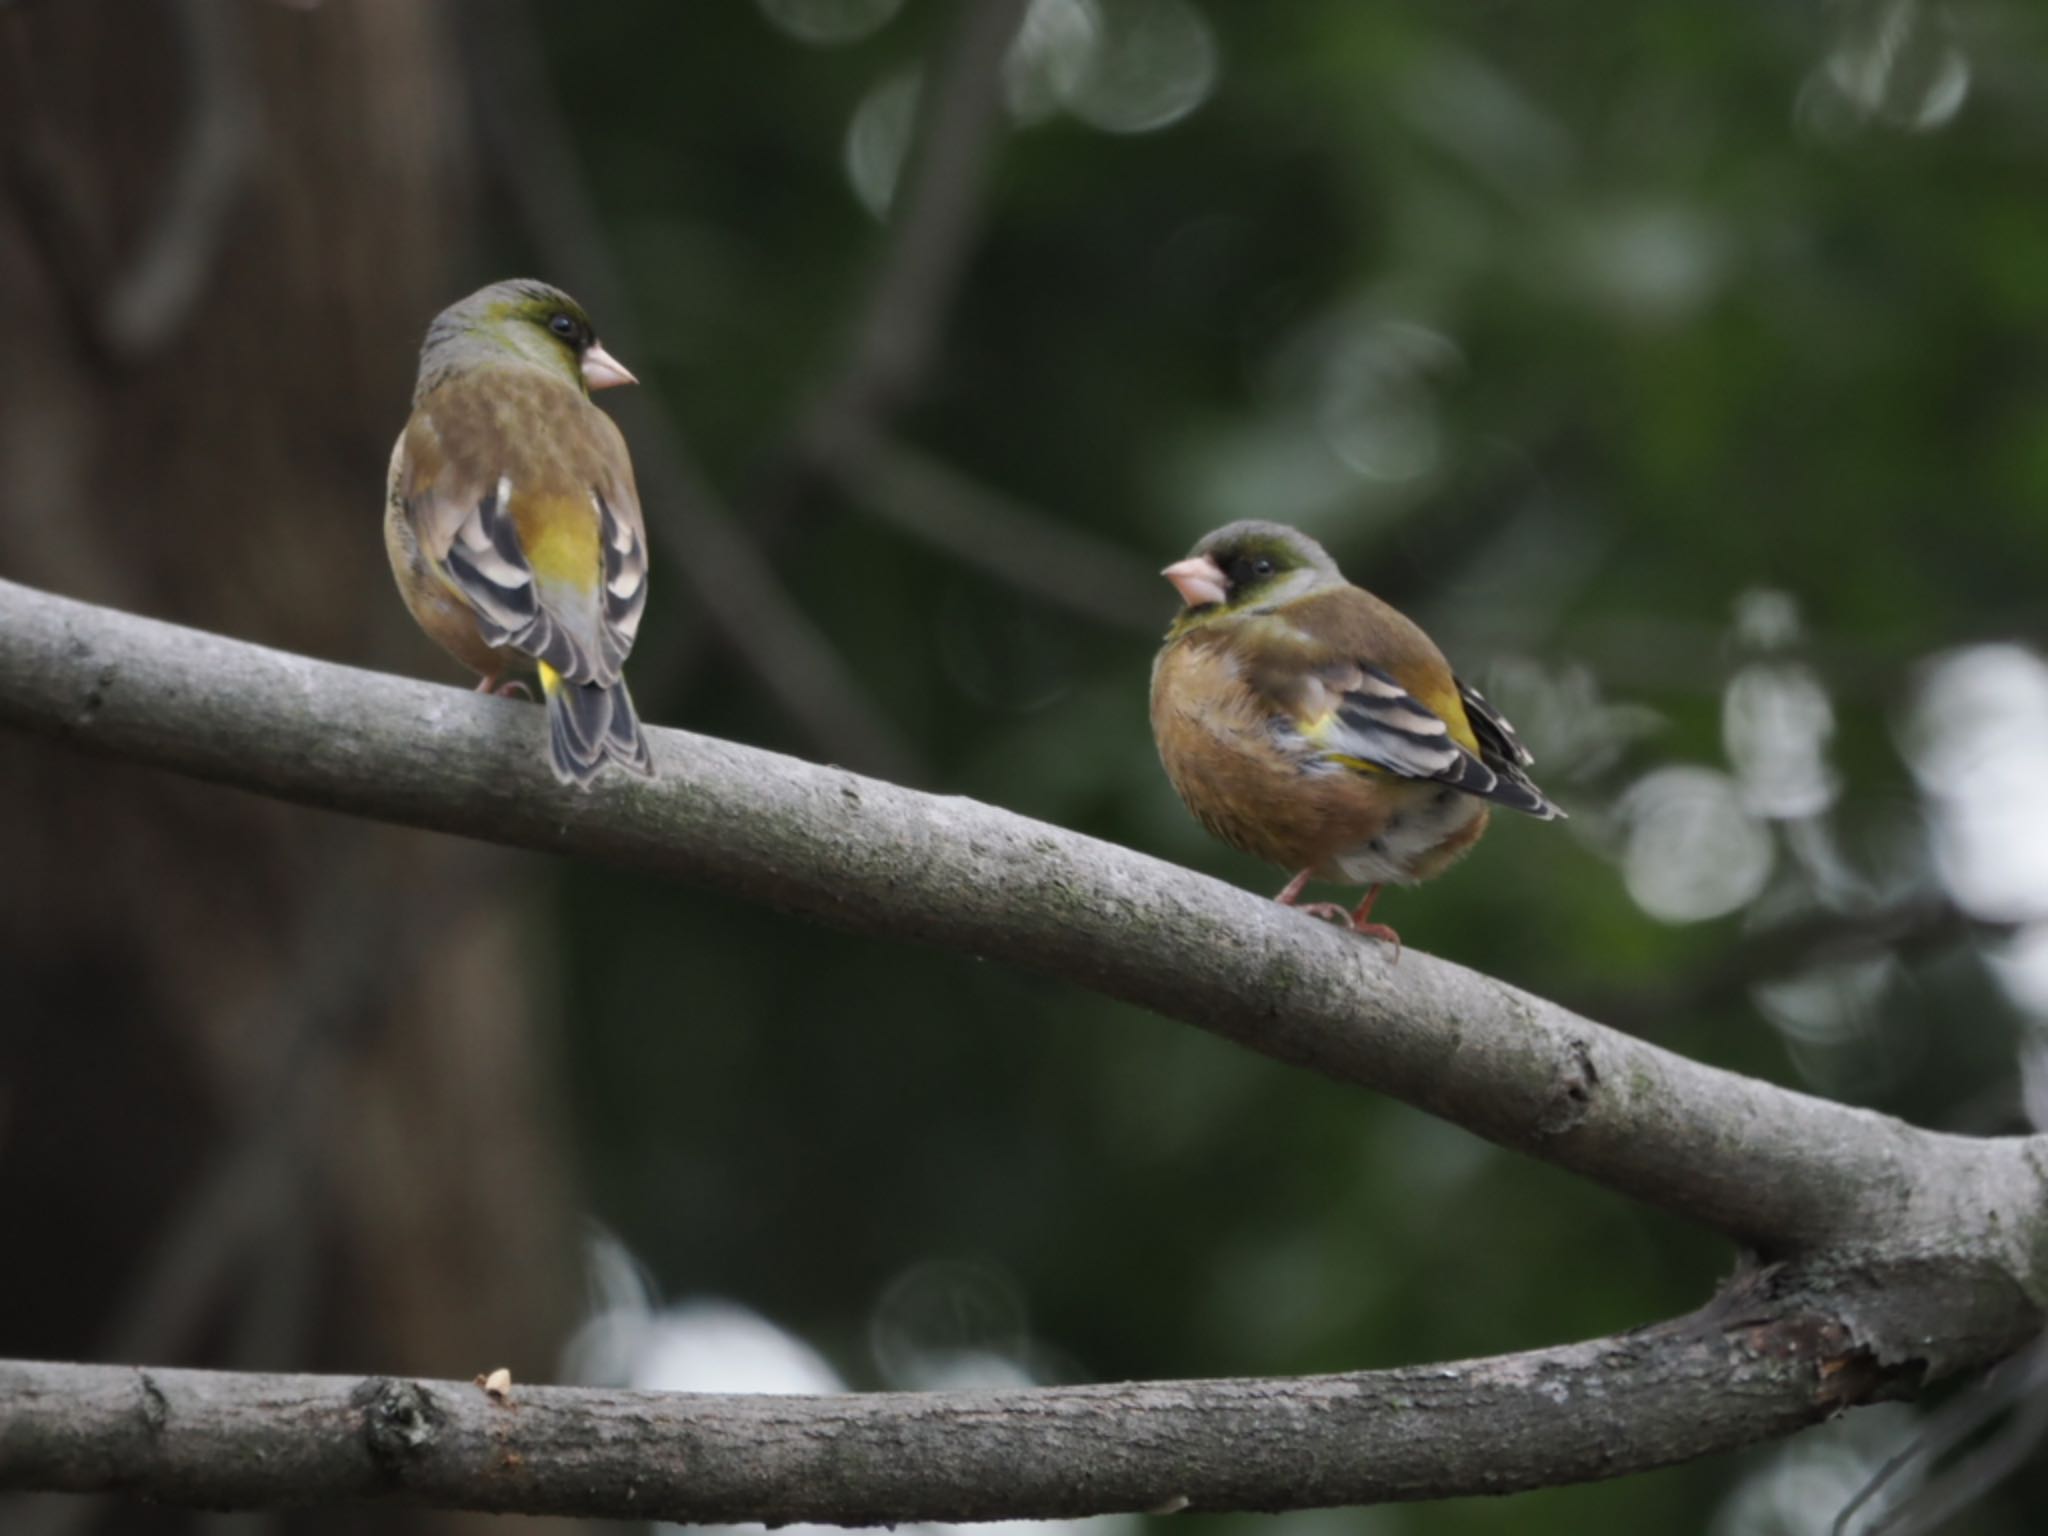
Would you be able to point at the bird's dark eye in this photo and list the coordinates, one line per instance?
(1262, 566)
(1249, 568)
(565, 326)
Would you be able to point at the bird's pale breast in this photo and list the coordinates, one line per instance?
(1253, 784)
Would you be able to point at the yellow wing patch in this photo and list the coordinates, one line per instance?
(1448, 707)
(1356, 764)
(1317, 730)
(559, 536)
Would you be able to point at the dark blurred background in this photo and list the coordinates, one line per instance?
(1683, 369)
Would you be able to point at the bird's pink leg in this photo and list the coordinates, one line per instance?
(1359, 924)
(1329, 911)
(503, 687)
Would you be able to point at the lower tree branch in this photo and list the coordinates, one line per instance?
(1780, 1350)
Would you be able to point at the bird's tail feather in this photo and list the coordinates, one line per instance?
(589, 725)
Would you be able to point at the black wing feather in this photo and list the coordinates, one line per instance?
(491, 570)
(1382, 724)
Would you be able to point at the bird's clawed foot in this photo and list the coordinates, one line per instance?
(1360, 924)
(1379, 931)
(1293, 889)
(1333, 912)
(1329, 911)
(504, 688)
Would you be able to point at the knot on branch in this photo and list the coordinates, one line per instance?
(1571, 1094)
(1779, 1312)
(1846, 1372)
(156, 1410)
(400, 1420)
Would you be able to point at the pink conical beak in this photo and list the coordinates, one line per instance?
(603, 371)
(1198, 579)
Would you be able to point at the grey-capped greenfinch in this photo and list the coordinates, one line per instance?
(512, 520)
(1307, 723)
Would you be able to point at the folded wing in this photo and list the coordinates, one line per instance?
(1375, 725)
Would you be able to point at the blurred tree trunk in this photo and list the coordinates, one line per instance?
(271, 1085)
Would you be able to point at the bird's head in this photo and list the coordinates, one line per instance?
(521, 319)
(1245, 567)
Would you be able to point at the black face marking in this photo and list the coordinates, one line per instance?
(1242, 570)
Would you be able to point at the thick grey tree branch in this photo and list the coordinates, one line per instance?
(1780, 1171)
(1906, 1255)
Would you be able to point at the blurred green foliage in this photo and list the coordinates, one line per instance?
(1572, 328)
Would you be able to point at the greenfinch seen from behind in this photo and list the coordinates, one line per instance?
(512, 520)
(1307, 723)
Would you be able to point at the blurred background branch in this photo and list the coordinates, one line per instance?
(2015, 1391)
(695, 536)
(125, 310)
(985, 530)
(893, 342)
(1909, 929)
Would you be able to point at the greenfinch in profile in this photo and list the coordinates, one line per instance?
(512, 520)
(1307, 723)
